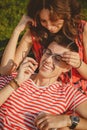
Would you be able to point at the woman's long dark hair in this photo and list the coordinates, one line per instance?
(68, 10)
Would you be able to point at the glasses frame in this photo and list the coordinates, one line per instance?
(56, 57)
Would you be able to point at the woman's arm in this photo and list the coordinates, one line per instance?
(5, 93)
(85, 42)
(83, 69)
(10, 54)
(23, 48)
(74, 59)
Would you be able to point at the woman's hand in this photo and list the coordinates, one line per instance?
(72, 58)
(24, 22)
(26, 69)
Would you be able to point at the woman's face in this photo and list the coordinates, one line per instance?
(52, 26)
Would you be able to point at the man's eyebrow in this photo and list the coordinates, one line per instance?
(49, 49)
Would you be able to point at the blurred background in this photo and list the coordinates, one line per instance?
(10, 14)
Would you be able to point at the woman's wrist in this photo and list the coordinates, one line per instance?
(80, 63)
(16, 31)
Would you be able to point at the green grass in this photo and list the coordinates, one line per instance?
(84, 12)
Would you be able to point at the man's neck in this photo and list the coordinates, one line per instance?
(41, 81)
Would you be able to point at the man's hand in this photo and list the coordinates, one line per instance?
(46, 121)
(26, 69)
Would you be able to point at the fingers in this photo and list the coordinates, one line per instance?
(43, 125)
(27, 19)
(29, 65)
(29, 59)
(70, 55)
(26, 69)
(71, 58)
(14, 68)
(46, 121)
(41, 121)
(23, 23)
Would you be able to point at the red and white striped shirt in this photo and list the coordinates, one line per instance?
(21, 108)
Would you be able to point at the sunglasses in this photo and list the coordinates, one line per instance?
(56, 57)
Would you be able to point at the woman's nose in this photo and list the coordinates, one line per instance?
(49, 26)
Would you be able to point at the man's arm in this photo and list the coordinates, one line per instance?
(6, 92)
(27, 68)
(47, 120)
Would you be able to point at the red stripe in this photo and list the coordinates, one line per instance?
(24, 104)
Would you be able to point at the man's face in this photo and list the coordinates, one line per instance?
(51, 64)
